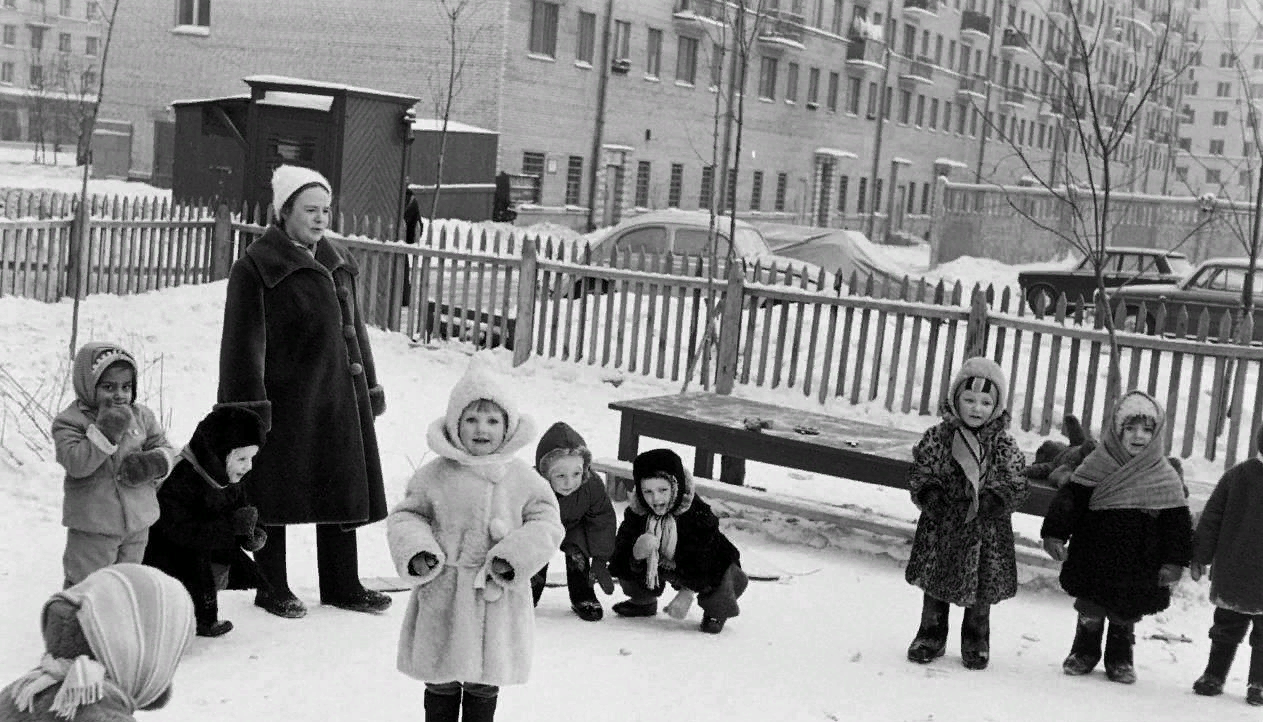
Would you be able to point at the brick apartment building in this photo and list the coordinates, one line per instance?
(814, 87)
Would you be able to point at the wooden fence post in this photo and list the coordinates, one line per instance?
(524, 325)
(730, 329)
(221, 244)
(77, 251)
(976, 329)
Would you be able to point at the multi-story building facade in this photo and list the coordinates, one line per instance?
(824, 81)
(49, 63)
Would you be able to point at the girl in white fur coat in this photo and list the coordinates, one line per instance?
(475, 524)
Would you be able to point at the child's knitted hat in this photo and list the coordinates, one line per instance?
(1136, 405)
(288, 180)
(982, 375)
(560, 441)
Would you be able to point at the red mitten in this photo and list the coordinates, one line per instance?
(113, 422)
(142, 467)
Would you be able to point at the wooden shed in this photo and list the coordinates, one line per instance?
(210, 145)
(469, 169)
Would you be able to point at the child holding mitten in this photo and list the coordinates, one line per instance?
(115, 454)
(563, 458)
(1228, 540)
(669, 534)
(475, 524)
(207, 522)
(966, 478)
(1126, 518)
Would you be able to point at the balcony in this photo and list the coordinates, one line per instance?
(1013, 99)
(1050, 109)
(1059, 11)
(974, 88)
(1055, 59)
(975, 27)
(918, 11)
(708, 11)
(782, 29)
(864, 55)
(1014, 43)
(1078, 68)
(1160, 22)
(919, 71)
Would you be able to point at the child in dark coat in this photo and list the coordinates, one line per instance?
(563, 458)
(207, 523)
(966, 478)
(1228, 541)
(669, 534)
(1126, 517)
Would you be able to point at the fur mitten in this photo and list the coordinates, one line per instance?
(377, 400)
(113, 422)
(244, 520)
(422, 563)
(930, 499)
(990, 504)
(678, 608)
(502, 569)
(256, 539)
(143, 467)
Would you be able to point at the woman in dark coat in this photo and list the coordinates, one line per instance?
(206, 521)
(295, 351)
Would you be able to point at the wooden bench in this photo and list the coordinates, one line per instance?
(714, 424)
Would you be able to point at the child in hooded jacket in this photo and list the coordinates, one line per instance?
(475, 524)
(966, 478)
(1228, 541)
(111, 646)
(207, 523)
(669, 534)
(1125, 514)
(562, 457)
(115, 454)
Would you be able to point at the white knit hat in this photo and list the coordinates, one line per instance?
(1137, 404)
(288, 179)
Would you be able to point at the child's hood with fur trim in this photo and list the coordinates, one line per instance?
(560, 437)
(91, 360)
(479, 382)
(683, 497)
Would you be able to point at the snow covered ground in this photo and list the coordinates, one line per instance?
(825, 643)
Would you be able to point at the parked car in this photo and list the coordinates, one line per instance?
(1215, 286)
(1123, 267)
(686, 233)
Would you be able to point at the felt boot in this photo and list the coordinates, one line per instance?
(1211, 682)
(478, 709)
(975, 637)
(931, 637)
(631, 608)
(1254, 692)
(442, 707)
(1120, 639)
(1085, 651)
(712, 625)
(361, 600)
(206, 613)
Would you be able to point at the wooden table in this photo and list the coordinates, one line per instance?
(714, 424)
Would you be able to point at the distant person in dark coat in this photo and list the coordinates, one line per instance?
(670, 535)
(1125, 514)
(207, 523)
(414, 227)
(1228, 541)
(502, 202)
(295, 351)
(563, 458)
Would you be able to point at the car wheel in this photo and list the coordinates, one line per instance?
(1043, 291)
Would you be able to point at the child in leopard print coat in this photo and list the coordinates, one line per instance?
(966, 478)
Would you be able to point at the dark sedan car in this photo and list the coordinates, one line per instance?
(1123, 267)
(1215, 287)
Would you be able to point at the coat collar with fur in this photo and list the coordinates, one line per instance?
(276, 257)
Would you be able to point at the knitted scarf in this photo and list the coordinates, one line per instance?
(1121, 481)
(974, 460)
(662, 528)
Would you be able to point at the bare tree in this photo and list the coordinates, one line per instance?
(446, 88)
(39, 101)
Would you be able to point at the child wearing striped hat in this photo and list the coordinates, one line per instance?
(966, 478)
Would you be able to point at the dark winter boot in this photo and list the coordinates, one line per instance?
(478, 709)
(206, 613)
(1085, 651)
(931, 637)
(1254, 692)
(1211, 682)
(632, 608)
(975, 637)
(1119, 641)
(442, 707)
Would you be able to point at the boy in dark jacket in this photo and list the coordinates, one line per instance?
(1229, 538)
(1126, 517)
(206, 519)
(669, 534)
(563, 458)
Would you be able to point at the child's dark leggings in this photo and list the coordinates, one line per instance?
(1230, 627)
(719, 601)
(482, 691)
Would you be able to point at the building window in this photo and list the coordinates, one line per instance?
(675, 188)
(813, 87)
(872, 101)
(767, 78)
(197, 12)
(933, 113)
(920, 110)
(1186, 143)
(37, 76)
(1223, 90)
(686, 60)
(642, 184)
(543, 28)
(533, 164)
(11, 3)
(6, 72)
(706, 191)
(905, 106)
(653, 63)
(911, 205)
(622, 40)
(838, 18)
(63, 42)
(1181, 174)
(1212, 175)
(947, 116)
(37, 38)
(791, 83)
(65, 8)
(782, 182)
(1246, 178)
(1216, 147)
(92, 10)
(10, 35)
(860, 197)
(877, 184)
(756, 191)
(730, 196)
(1258, 59)
(834, 80)
(584, 48)
(90, 46)
(1220, 118)
(574, 180)
(853, 90)
(925, 199)
(88, 80)
(843, 182)
(716, 65)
